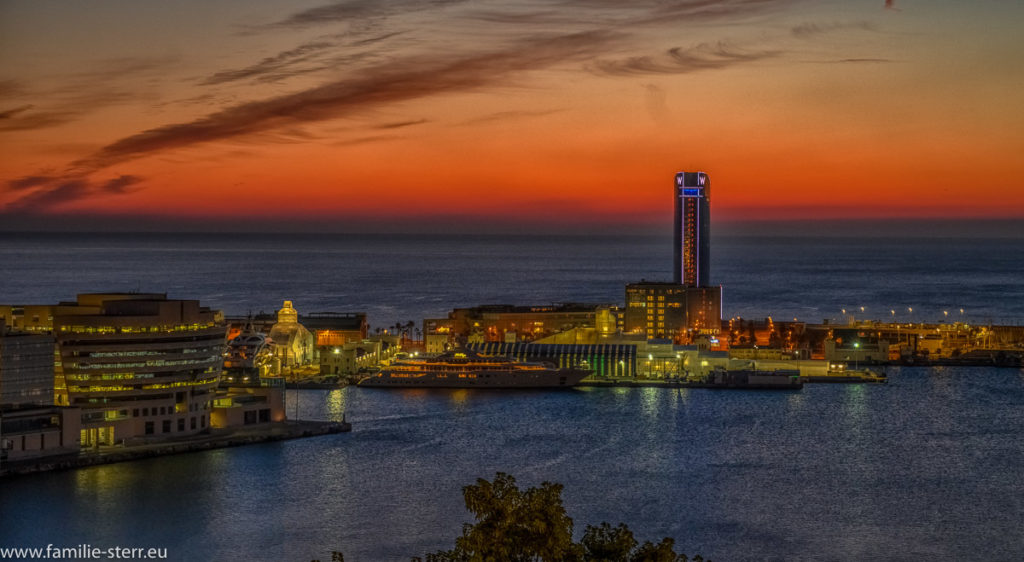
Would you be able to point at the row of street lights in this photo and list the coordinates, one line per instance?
(910, 311)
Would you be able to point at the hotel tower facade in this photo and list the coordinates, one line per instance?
(692, 238)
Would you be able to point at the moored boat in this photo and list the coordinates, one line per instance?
(839, 373)
(469, 369)
(783, 379)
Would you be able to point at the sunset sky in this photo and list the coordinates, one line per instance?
(523, 114)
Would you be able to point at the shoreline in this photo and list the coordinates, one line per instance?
(221, 439)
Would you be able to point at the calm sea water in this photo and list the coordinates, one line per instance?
(409, 277)
(927, 467)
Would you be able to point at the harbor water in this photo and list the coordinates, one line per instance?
(924, 468)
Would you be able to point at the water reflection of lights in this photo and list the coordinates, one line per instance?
(855, 402)
(335, 401)
(460, 396)
(649, 402)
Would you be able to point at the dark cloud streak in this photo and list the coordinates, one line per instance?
(680, 61)
(355, 10)
(401, 124)
(120, 184)
(9, 113)
(270, 65)
(384, 84)
(29, 181)
(63, 191)
(47, 192)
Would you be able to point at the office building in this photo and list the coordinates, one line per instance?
(692, 248)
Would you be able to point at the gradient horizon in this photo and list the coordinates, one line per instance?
(570, 114)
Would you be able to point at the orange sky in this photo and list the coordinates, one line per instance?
(548, 112)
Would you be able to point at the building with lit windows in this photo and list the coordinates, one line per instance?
(509, 323)
(671, 310)
(139, 365)
(605, 360)
(692, 248)
(26, 367)
(31, 426)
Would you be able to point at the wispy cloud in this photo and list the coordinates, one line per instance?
(24, 119)
(8, 113)
(270, 66)
(366, 140)
(120, 184)
(504, 115)
(44, 193)
(358, 10)
(809, 29)
(45, 198)
(866, 60)
(398, 81)
(400, 124)
(11, 87)
(29, 181)
(679, 61)
(83, 92)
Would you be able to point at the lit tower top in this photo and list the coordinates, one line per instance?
(287, 314)
(692, 229)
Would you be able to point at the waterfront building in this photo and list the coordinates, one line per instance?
(31, 426)
(692, 240)
(138, 365)
(292, 343)
(854, 346)
(606, 360)
(508, 323)
(336, 328)
(26, 367)
(673, 311)
(348, 358)
(249, 403)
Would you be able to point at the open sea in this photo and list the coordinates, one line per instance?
(928, 467)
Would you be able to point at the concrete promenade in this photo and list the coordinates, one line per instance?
(216, 439)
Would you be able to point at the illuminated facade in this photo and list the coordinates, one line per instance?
(138, 365)
(605, 360)
(292, 343)
(671, 310)
(508, 323)
(692, 250)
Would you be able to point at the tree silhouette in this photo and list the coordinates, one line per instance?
(532, 525)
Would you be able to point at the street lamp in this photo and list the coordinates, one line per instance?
(856, 355)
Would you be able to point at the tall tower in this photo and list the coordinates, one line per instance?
(692, 229)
